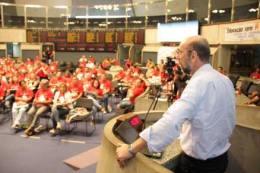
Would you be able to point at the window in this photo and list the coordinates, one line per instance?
(13, 16)
(246, 9)
(220, 11)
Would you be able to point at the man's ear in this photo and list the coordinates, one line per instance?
(194, 55)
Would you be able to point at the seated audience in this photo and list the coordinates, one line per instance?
(127, 104)
(62, 103)
(256, 73)
(254, 98)
(149, 63)
(106, 86)
(96, 94)
(22, 98)
(41, 104)
(76, 88)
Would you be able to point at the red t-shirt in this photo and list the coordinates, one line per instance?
(2, 92)
(106, 85)
(76, 88)
(43, 95)
(4, 85)
(41, 74)
(92, 59)
(156, 72)
(52, 68)
(95, 91)
(120, 75)
(136, 92)
(21, 92)
(106, 64)
(13, 86)
(255, 75)
(128, 63)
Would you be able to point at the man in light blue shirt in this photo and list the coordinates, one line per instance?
(203, 117)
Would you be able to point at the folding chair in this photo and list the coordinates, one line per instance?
(88, 118)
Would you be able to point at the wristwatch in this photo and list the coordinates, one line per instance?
(130, 150)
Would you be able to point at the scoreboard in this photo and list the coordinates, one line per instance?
(89, 40)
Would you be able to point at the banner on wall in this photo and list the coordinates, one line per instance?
(243, 32)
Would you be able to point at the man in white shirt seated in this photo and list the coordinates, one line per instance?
(201, 117)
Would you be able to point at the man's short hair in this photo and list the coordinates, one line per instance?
(201, 46)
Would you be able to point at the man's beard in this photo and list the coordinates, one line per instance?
(186, 69)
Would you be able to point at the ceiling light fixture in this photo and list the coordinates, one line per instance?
(191, 11)
(215, 11)
(128, 9)
(102, 17)
(221, 11)
(31, 21)
(61, 6)
(218, 11)
(33, 6)
(175, 18)
(137, 21)
(114, 7)
(4, 3)
(253, 10)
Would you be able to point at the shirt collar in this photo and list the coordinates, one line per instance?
(202, 69)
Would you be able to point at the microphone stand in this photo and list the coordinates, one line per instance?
(155, 101)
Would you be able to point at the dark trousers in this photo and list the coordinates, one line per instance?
(186, 164)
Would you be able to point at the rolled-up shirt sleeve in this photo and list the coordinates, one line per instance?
(165, 130)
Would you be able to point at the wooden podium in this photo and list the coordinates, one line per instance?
(139, 164)
(243, 154)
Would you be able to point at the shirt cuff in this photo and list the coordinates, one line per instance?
(146, 135)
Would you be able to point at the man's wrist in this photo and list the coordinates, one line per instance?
(130, 150)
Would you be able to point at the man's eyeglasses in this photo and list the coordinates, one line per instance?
(179, 51)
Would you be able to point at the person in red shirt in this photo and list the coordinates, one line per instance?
(128, 63)
(120, 75)
(256, 73)
(62, 104)
(95, 89)
(83, 61)
(52, 68)
(92, 59)
(32, 81)
(106, 64)
(11, 88)
(106, 86)
(56, 80)
(41, 104)
(2, 93)
(67, 77)
(115, 62)
(76, 88)
(42, 71)
(22, 98)
(95, 93)
(127, 104)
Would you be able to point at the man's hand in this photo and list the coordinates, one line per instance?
(123, 154)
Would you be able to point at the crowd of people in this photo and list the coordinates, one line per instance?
(31, 87)
(167, 77)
